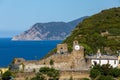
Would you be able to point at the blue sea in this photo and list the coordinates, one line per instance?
(29, 50)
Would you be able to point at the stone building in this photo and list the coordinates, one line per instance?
(26, 65)
(78, 50)
(104, 33)
(104, 59)
(17, 64)
(62, 61)
(62, 48)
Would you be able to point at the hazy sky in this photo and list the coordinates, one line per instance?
(17, 16)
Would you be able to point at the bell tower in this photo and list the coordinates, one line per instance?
(78, 50)
(75, 43)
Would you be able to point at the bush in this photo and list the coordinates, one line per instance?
(46, 72)
(94, 73)
(51, 62)
(104, 72)
(115, 72)
(105, 78)
(38, 77)
(7, 75)
(85, 79)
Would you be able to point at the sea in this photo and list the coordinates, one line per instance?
(29, 50)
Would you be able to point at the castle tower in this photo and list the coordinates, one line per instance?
(62, 48)
(75, 43)
(78, 50)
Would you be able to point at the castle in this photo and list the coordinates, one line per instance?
(66, 61)
(63, 60)
(74, 63)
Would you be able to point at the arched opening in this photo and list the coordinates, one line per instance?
(61, 51)
(95, 63)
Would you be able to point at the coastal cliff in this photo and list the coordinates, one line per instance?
(49, 31)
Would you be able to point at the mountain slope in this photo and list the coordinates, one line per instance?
(49, 31)
(101, 30)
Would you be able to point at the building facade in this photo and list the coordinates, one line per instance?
(104, 59)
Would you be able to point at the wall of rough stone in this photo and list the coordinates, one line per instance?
(64, 75)
(62, 48)
(24, 76)
(68, 61)
(76, 75)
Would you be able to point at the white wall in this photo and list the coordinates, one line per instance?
(101, 62)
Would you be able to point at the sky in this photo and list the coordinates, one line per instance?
(17, 16)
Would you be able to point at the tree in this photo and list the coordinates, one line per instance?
(102, 77)
(104, 72)
(46, 72)
(94, 73)
(115, 72)
(50, 72)
(7, 75)
(38, 76)
(51, 62)
(106, 69)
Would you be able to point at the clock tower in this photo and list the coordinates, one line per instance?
(78, 50)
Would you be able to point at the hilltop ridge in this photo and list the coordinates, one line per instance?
(49, 31)
(100, 31)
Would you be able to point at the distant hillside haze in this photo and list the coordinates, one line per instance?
(49, 31)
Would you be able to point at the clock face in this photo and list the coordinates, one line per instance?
(77, 47)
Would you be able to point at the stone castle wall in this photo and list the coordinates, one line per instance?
(62, 48)
(64, 75)
(76, 75)
(71, 61)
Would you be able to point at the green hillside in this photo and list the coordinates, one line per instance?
(101, 30)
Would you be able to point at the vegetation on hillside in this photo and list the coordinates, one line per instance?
(104, 72)
(101, 30)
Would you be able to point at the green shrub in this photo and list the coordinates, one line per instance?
(46, 72)
(94, 73)
(105, 78)
(7, 75)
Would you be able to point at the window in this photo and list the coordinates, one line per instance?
(95, 63)
(61, 51)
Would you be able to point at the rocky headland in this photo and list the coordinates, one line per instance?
(49, 31)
